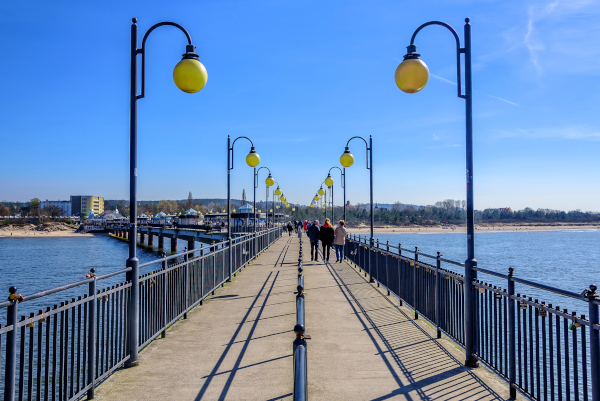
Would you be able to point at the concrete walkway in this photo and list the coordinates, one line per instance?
(238, 345)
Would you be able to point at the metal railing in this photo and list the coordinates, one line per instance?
(63, 352)
(537, 348)
(299, 344)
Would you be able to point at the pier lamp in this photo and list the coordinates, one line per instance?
(411, 76)
(316, 197)
(190, 76)
(269, 181)
(252, 160)
(329, 182)
(282, 198)
(321, 191)
(347, 160)
(278, 191)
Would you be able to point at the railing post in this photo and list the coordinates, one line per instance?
(186, 285)
(387, 274)
(164, 299)
(512, 360)
(438, 294)
(399, 273)
(10, 370)
(91, 345)
(377, 262)
(592, 296)
(414, 283)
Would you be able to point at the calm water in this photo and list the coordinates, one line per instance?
(567, 259)
(36, 264)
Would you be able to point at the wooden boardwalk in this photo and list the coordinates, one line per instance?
(238, 345)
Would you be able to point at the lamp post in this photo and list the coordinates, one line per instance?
(269, 181)
(347, 160)
(252, 159)
(276, 192)
(329, 182)
(190, 76)
(412, 76)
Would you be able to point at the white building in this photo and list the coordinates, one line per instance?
(63, 206)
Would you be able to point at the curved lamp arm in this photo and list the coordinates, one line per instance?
(366, 145)
(413, 49)
(256, 175)
(190, 48)
(231, 148)
(341, 172)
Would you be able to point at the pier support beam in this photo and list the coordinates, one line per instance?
(142, 238)
(125, 233)
(173, 245)
(191, 245)
(150, 240)
(161, 243)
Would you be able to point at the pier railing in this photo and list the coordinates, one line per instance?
(540, 350)
(63, 352)
(299, 345)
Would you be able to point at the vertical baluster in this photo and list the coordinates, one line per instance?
(40, 343)
(537, 349)
(113, 301)
(62, 354)
(400, 292)
(30, 359)
(47, 357)
(22, 338)
(531, 350)
(54, 351)
(584, 361)
(72, 361)
(575, 361)
(545, 352)
(438, 295)
(79, 339)
(512, 365)
(91, 336)
(567, 367)
(558, 354)
(414, 286)
(496, 323)
(523, 346)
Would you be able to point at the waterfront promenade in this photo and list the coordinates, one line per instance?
(238, 344)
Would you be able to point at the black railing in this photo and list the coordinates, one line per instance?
(540, 350)
(63, 352)
(299, 345)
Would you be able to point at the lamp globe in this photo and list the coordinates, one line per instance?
(347, 159)
(253, 159)
(412, 74)
(321, 191)
(269, 181)
(278, 191)
(189, 74)
(329, 180)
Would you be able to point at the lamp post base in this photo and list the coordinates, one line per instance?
(131, 364)
(371, 280)
(472, 363)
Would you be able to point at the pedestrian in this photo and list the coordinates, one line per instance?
(306, 226)
(339, 241)
(289, 228)
(326, 235)
(313, 236)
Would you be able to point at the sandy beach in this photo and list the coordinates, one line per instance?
(40, 231)
(362, 230)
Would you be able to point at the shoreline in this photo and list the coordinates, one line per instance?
(44, 235)
(478, 229)
(52, 230)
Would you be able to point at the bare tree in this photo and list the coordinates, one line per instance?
(190, 202)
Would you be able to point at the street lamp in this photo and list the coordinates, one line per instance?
(269, 182)
(329, 182)
(190, 76)
(252, 159)
(347, 160)
(411, 76)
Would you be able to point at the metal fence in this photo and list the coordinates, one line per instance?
(64, 351)
(541, 350)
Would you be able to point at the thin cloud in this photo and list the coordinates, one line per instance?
(447, 81)
(568, 132)
(435, 137)
(504, 100)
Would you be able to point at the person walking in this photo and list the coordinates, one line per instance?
(313, 235)
(326, 235)
(306, 226)
(289, 228)
(339, 241)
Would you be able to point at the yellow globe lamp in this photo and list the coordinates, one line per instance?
(271, 211)
(259, 211)
(323, 206)
(253, 159)
(293, 209)
(346, 159)
(189, 74)
(329, 180)
(412, 74)
(277, 207)
(321, 191)
(233, 210)
(278, 191)
(316, 197)
(282, 198)
(269, 181)
(223, 210)
(311, 205)
(286, 205)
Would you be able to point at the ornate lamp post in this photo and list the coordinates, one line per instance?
(412, 76)
(329, 182)
(252, 159)
(347, 160)
(269, 181)
(190, 76)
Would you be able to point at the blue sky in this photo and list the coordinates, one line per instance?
(300, 78)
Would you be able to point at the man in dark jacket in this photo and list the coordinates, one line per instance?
(313, 235)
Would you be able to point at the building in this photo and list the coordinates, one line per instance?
(505, 209)
(63, 206)
(81, 205)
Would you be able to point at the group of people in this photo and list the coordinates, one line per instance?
(327, 234)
